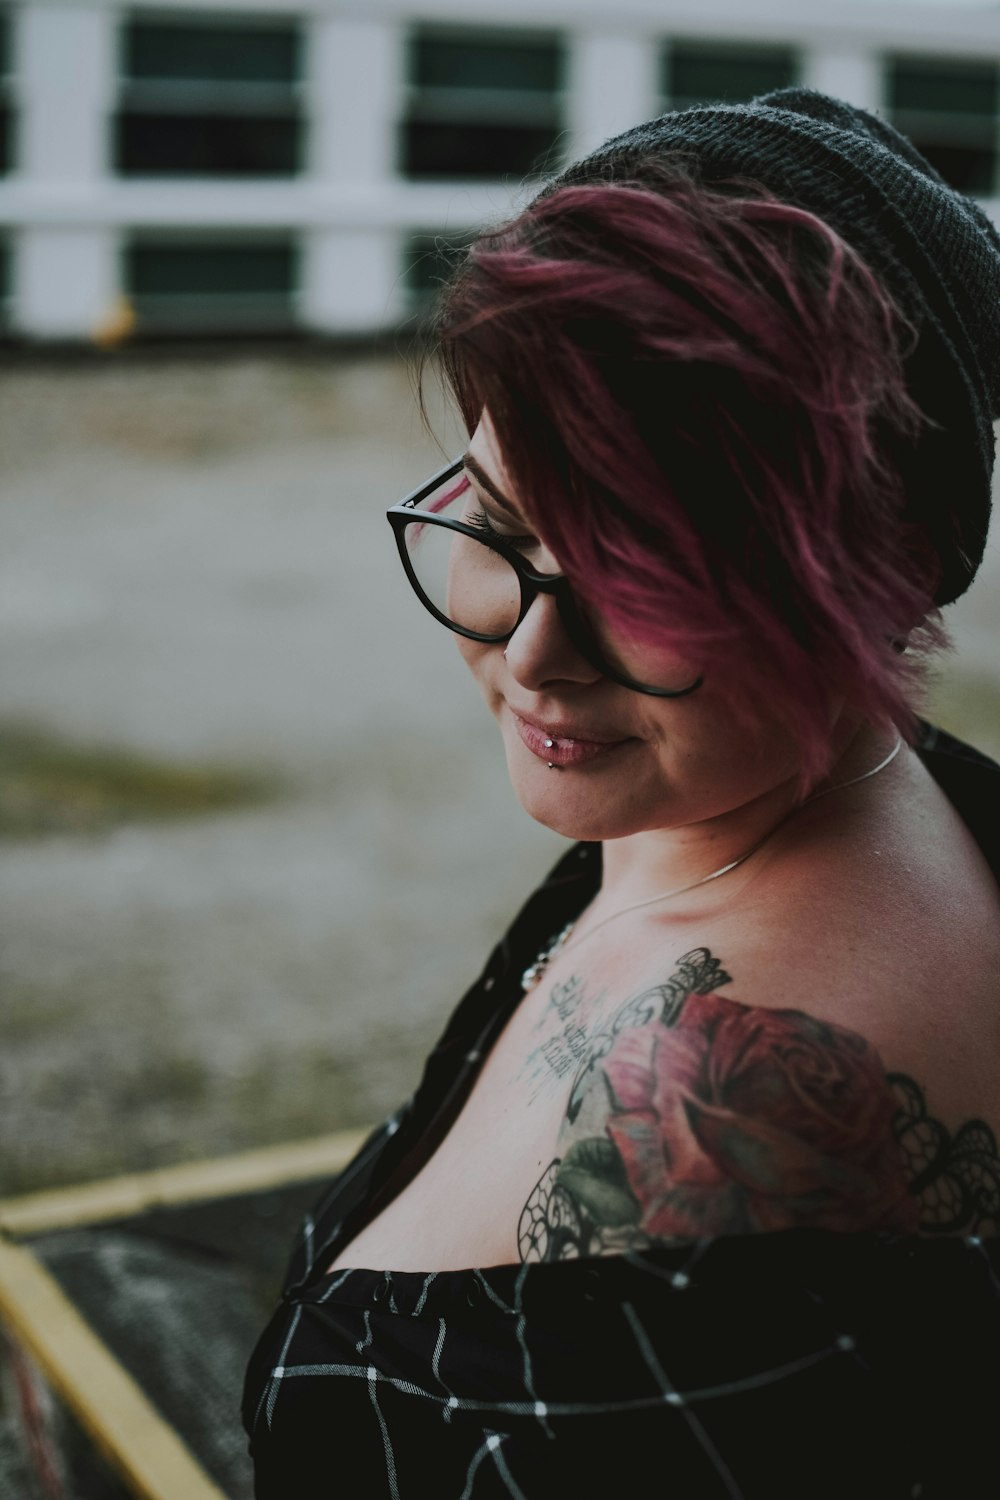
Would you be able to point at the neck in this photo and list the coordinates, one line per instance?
(643, 864)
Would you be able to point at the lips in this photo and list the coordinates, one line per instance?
(556, 743)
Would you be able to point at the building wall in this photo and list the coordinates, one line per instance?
(309, 175)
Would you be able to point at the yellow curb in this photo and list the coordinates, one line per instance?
(143, 1449)
(189, 1182)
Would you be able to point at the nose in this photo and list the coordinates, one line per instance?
(541, 654)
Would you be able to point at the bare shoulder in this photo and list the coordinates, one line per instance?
(889, 927)
(695, 1113)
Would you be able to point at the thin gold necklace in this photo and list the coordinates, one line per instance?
(560, 943)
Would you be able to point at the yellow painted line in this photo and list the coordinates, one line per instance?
(190, 1182)
(142, 1448)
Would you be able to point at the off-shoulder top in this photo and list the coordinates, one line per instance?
(801, 1362)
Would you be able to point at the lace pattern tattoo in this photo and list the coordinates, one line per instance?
(955, 1177)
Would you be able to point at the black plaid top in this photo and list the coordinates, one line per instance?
(800, 1363)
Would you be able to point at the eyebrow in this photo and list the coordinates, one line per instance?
(484, 479)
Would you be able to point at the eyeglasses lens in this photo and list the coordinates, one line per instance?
(470, 583)
(644, 664)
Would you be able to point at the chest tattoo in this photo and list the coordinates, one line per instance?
(690, 1115)
(561, 1053)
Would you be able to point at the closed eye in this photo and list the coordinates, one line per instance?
(480, 521)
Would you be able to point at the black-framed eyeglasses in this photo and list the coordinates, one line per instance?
(474, 580)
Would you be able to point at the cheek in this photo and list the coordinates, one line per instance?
(700, 742)
(477, 658)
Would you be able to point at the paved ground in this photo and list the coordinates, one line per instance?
(194, 564)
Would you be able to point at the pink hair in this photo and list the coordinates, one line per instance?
(699, 395)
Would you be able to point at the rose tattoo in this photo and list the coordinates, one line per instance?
(738, 1119)
(724, 1118)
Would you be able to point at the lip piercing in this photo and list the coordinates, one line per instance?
(549, 744)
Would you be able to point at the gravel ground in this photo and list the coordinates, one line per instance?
(194, 565)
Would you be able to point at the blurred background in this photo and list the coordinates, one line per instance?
(257, 836)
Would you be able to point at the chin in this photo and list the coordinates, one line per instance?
(581, 813)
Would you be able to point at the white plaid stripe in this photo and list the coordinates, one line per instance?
(362, 1344)
(492, 1446)
(550, 1408)
(505, 1474)
(674, 1398)
(521, 1331)
(390, 1458)
(679, 1280)
(271, 1389)
(474, 1463)
(308, 1235)
(452, 1401)
(975, 1243)
(428, 1280)
(338, 1281)
(493, 1296)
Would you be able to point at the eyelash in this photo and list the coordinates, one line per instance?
(480, 521)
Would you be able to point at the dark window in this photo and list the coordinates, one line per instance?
(475, 60)
(701, 72)
(237, 51)
(212, 284)
(204, 145)
(476, 151)
(219, 99)
(481, 103)
(948, 108)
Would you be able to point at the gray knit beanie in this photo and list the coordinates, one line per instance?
(933, 248)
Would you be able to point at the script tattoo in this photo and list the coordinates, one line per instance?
(694, 1115)
(562, 1052)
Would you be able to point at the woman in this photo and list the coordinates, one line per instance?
(700, 1187)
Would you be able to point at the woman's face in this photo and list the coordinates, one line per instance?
(587, 757)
